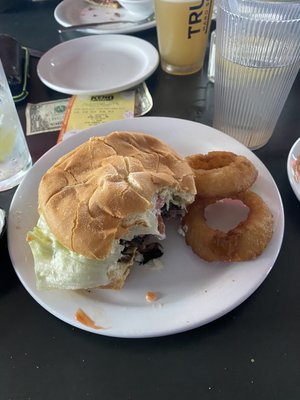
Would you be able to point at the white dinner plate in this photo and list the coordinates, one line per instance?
(75, 12)
(191, 292)
(99, 64)
(291, 161)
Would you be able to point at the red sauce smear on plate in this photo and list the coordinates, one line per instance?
(297, 169)
(151, 296)
(84, 319)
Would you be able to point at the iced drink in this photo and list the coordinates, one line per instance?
(15, 159)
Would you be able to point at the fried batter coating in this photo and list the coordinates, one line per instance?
(245, 242)
(221, 173)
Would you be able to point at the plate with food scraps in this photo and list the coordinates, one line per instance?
(293, 168)
(179, 291)
(98, 64)
(76, 12)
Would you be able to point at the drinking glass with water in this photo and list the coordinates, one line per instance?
(15, 159)
(257, 61)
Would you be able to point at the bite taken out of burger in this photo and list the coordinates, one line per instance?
(102, 208)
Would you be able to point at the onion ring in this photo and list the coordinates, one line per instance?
(245, 242)
(221, 173)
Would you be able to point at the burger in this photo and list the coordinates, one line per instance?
(102, 208)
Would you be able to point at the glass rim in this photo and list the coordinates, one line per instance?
(273, 1)
(277, 2)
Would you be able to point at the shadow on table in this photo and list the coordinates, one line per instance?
(8, 278)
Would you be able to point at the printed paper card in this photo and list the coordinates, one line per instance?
(86, 111)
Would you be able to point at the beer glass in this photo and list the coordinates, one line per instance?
(182, 30)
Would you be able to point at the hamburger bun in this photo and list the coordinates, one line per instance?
(106, 190)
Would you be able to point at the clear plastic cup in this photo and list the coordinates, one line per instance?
(257, 61)
(15, 159)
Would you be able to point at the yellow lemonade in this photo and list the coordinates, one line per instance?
(7, 141)
(182, 28)
(15, 158)
(249, 100)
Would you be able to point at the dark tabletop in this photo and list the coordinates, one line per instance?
(253, 352)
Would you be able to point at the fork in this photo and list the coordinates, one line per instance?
(96, 24)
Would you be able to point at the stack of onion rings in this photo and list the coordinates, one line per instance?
(220, 175)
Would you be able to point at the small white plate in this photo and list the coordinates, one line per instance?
(191, 292)
(292, 157)
(75, 12)
(99, 64)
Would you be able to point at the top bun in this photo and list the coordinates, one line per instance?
(94, 195)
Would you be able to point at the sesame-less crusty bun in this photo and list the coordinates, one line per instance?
(108, 191)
